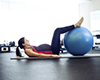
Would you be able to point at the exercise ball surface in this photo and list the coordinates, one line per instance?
(78, 41)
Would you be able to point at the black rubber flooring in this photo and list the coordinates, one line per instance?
(56, 69)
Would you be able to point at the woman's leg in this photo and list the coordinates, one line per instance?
(55, 45)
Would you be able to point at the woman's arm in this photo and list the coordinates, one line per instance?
(30, 52)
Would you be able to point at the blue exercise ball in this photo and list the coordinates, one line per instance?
(78, 41)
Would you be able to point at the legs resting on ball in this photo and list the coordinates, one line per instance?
(55, 44)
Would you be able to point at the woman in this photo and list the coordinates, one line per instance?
(45, 50)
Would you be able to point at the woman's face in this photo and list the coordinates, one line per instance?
(26, 42)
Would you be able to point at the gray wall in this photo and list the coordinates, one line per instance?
(85, 9)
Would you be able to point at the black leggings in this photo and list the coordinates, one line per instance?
(55, 45)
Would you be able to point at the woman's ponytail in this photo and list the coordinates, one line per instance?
(20, 42)
(18, 53)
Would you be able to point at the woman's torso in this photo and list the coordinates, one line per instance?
(43, 48)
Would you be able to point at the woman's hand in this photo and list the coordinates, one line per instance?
(56, 56)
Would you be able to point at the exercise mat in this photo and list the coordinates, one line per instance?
(62, 56)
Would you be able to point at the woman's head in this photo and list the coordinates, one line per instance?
(23, 42)
(20, 42)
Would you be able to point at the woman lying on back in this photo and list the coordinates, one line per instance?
(45, 50)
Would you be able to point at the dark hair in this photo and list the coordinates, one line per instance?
(20, 42)
(18, 53)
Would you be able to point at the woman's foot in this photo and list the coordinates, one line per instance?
(78, 24)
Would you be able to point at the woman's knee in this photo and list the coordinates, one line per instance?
(57, 30)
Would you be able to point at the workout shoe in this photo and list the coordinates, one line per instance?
(78, 24)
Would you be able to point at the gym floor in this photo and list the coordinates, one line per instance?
(56, 69)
